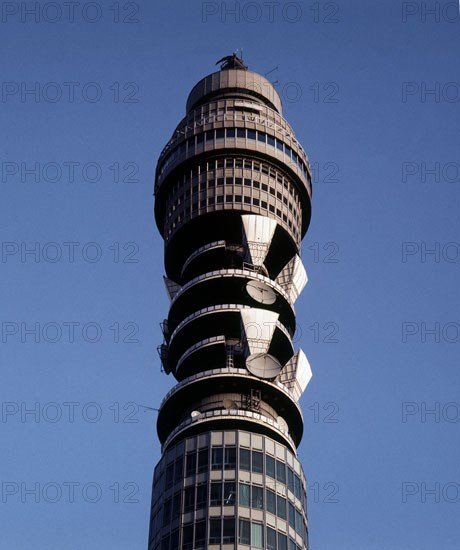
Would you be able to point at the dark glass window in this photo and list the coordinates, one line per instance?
(229, 163)
(228, 181)
(282, 542)
(201, 495)
(238, 181)
(200, 534)
(256, 184)
(287, 150)
(189, 499)
(248, 182)
(238, 198)
(230, 132)
(271, 502)
(291, 544)
(175, 539)
(176, 504)
(165, 543)
(244, 492)
(220, 181)
(167, 512)
(247, 200)
(281, 506)
(271, 140)
(241, 132)
(209, 135)
(271, 539)
(228, 530)
(216, 493)
(182, 148)
(290, 479)
(169, 475)
(280, 471)
(179, 464)
(261, 136)
(248, 164)
(298, 487)
(245, 454)
(251, 134)
(229, 493)
(244, 532)
(219, 200)
(257, 497)
(203, 460)
(264, 204)
(228, 198)
(214, 530)
(190, 463)
(199, 138)
(291, 515)
(257, 462)
(255, 202)
(217, 452)
(230, 452)
(187, 537)
(220, 133)
(279, 144)
(270, 466)
(298, 522)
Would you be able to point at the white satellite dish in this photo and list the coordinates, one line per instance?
(194, 414)
(263, 365)
(229, 404)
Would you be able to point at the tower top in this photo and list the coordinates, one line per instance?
(232, 62)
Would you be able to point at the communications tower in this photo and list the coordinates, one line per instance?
(232, 203)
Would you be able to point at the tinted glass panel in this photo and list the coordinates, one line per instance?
(214, 531)
(216, 493)
(229, 493)
(257, 462)
(281, 507)
(271, 539)
(270, 465)
(257, 499)
(244, 532)
(229, 530)
(271, 502)
(280, 471)
(218, 452)
(245, 456)
(244, 492)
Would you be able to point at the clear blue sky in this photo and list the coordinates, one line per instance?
(341, 68)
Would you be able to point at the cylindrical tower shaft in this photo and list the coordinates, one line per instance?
(232, 202)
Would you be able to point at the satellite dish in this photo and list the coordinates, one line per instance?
(282, 424)
(194, 414)
(261, 292)
(263, 365)
(229, 404)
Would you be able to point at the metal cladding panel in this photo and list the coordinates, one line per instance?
(259, 326)
(293, 278)
(296, 374)
(172, 288)
(258, 231)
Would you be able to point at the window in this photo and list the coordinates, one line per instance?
(179, 464)
(187, 537)
(245, 456)
(244, 491)
(291, 544)
(271, 539)
(270, 466)
(175, 539)
(298, 522)
(291, 515)
(279, 144)
(228, 530)
(201, 495)
(169, 475)
(280, 471)
(167, 512)
(229, 493)
(200, 138)
(281, 506)
(203, 460)
(217, 452)
(271, 140)
(271, 502)
(244, 532)
(261, 136)
(220, 133)
(165, 543)
(176, 503)
(282, 542)
(189, 499)
(230, 132)
(298, 487)
(251, 134)
(257, 497)
(214, 531)
(290, 480)
(190, 463)
(200, 534)
(216, 493)
(241, 132)
(257, 535)
(209, 135)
